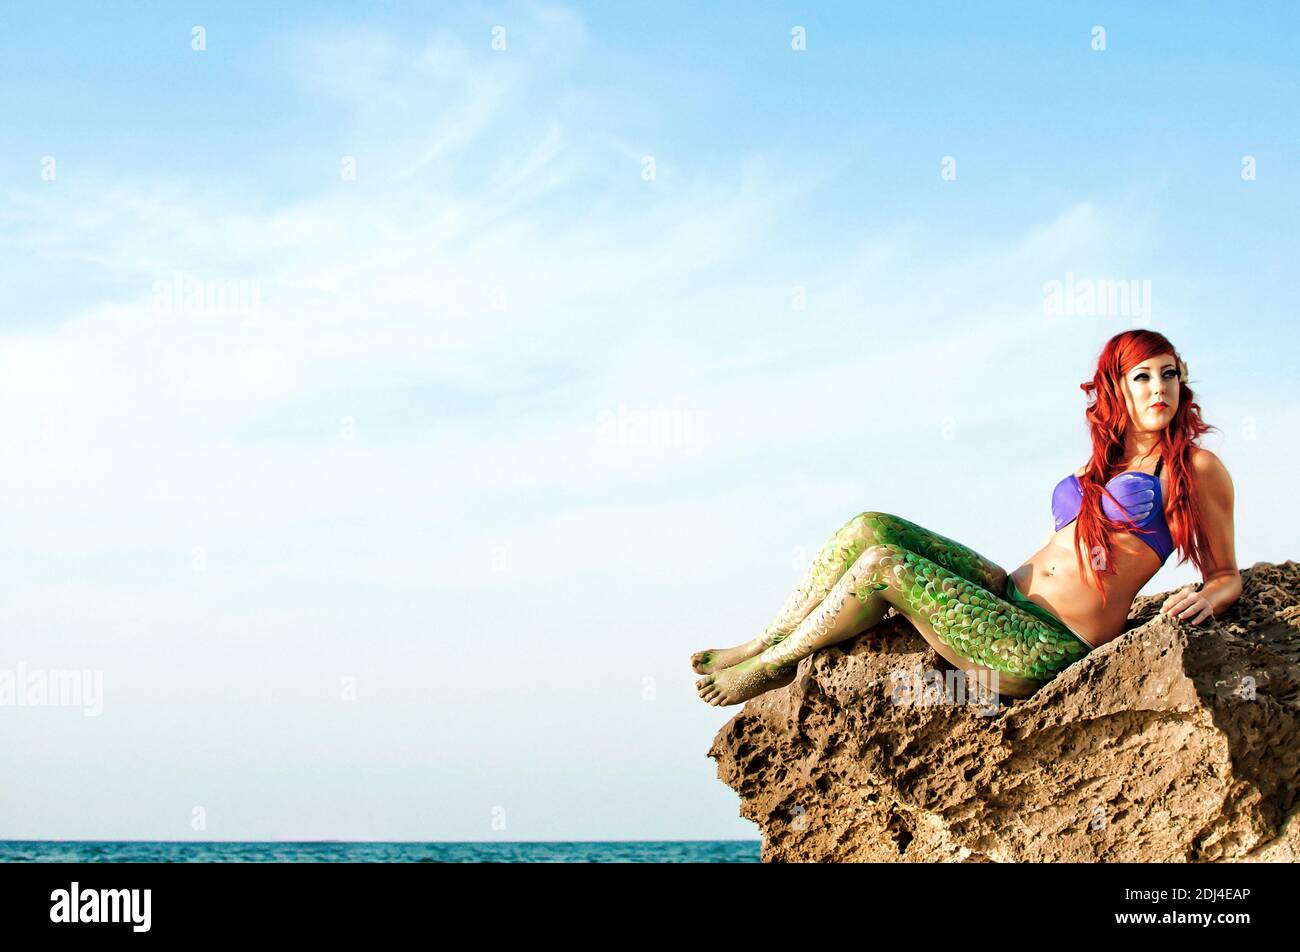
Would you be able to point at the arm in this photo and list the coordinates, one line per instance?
(1222, 580)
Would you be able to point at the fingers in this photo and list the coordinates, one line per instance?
(1195, 613)
(1188, 605)
(1183, 602)
(1179, 599)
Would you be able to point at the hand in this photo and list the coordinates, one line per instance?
(1188, 605)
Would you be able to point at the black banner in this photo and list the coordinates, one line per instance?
(331, 900)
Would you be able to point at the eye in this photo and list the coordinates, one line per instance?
(1141, 376)
(1171, 372)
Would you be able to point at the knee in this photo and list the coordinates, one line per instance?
(866, 526)
(865, 518)
(875, 563)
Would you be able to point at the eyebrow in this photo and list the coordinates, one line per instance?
(1145, 367)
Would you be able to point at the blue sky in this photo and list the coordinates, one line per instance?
(396, 476)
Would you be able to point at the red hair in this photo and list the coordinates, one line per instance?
(1108, 418)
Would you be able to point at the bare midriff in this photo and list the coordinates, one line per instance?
(1051, 578)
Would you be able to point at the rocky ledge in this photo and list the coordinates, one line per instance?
(1172, 743)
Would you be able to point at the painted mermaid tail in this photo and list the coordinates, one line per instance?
(852, 539)
(977, 624)
(965, 606)
(980, 625)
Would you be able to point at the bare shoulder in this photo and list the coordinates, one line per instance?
(1201, 457)
(1215, 483)
(1208, 466)
(1079, 472)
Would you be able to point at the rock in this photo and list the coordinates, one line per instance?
(1172, 743)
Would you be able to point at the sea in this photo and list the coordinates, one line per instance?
(144, 851)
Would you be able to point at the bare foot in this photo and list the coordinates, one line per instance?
(715, 659)
(740, 682)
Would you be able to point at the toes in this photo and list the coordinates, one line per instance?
(713, 693)
(708, 689)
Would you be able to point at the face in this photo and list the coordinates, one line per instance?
(1147, 386)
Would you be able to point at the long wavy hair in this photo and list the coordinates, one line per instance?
(1108, 418)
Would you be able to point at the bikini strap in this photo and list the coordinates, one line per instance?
(1159, 464)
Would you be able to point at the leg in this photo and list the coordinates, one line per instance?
(970, 626)
(840, 552)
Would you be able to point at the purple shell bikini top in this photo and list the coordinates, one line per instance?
(1138, 493)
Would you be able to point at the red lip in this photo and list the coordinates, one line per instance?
(1158, 406)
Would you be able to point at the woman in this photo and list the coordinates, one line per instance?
(1147, 489)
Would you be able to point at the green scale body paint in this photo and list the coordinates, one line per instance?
(968, 601)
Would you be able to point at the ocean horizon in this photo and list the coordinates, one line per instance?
(359, 851)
